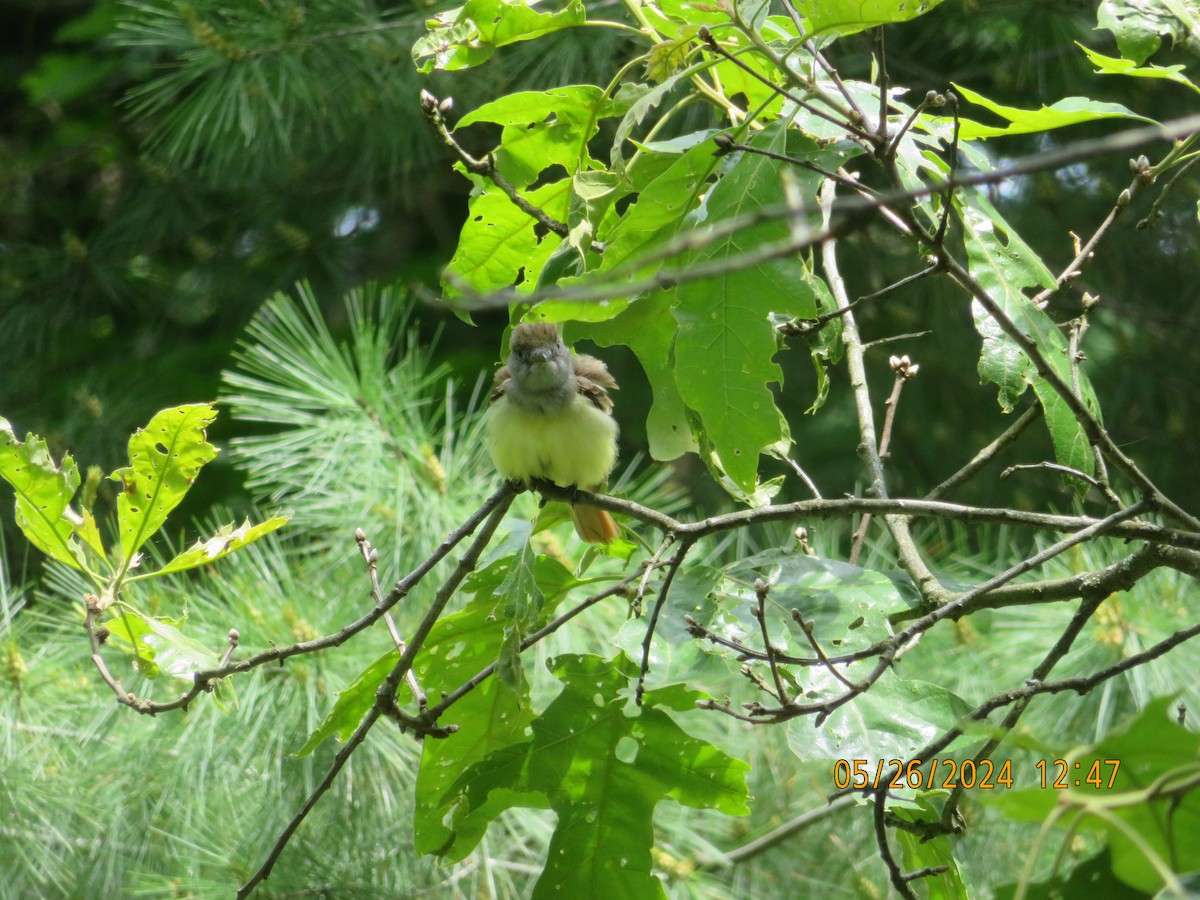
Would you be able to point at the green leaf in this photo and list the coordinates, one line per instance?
(500, 245)
(468, 35)
(352, 704)
(661, 206)
(848, 607)
(648, 328)
(602, 767)
(921, 853)
(60, 78)
(225, 541)
(890, 721)
(44, 491)
(726, 342)
(1139, 26)
(1068, 111)
(1109, 65)
(576, 104)
(1090, 880)
(1005, 266)
(523, 601)
(158, 645)
(165, 458)
(1127, 761)
(842, 17)
(542, 129)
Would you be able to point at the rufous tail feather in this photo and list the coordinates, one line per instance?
(594, 525)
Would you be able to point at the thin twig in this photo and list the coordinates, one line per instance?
(812, 325)
(1156, 207)
(809, 483)
(1053, 467)
(822, 656)
(386, 693)
(672, 569)
(829, 70)
(371, 558)
(931, 99)
(987, 454)
(909, 556)
(881, 129)
(831, 508)
(644, 583)
(705, 35)
(892, 338)
(759, 611)
(939, 239)
(778, 835)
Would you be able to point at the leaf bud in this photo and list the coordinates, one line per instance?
(446, 105)
(428, 102)
(1124, 198)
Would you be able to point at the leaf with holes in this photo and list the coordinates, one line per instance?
(603, 765)
(165, 457)
(500, 245)
(468, 35)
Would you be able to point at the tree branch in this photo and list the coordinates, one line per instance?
(386, 693)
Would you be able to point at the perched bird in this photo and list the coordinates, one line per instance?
(551, 418)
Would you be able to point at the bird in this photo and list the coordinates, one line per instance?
(551, 418)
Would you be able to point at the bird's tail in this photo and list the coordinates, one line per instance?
(593, 525)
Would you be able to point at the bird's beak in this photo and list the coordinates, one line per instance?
(543, 354)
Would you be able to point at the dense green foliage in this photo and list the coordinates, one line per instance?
(716, 195)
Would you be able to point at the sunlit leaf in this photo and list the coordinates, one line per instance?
(1005, 266)
(1109, 65)
(44, 491)
(1068, 111)
(165, 458)
(892, 720)
(1140, 26)
(726, 342)
(648, 328)
(842, 17)
(468, 35)
(157, 645)
(225, 541)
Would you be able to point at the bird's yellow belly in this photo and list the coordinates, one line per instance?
(577, 446)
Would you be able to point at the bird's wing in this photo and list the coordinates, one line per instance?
(594, 381)
(594, 371)
(595, 393)
(501, 379)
